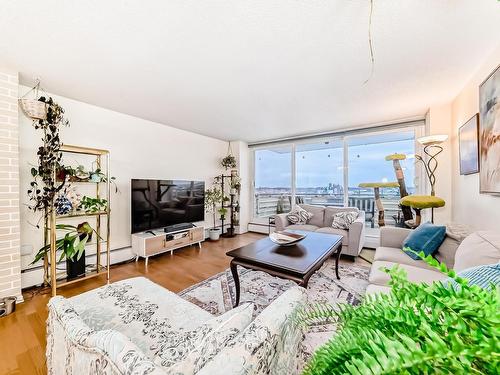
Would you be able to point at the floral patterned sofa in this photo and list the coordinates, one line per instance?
(135, 326)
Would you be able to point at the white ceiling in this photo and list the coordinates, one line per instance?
(251, 70)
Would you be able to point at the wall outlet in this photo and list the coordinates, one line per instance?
(26, 249)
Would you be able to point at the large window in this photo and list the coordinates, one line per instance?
(368, 164)
(319, 173)
(331, 172)
(273, 181)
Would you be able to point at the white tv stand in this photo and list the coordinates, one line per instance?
(145, 244)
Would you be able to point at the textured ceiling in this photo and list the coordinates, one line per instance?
(251, 70)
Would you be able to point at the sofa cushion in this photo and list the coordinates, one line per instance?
(317, 211)
(374, 289)
(225, 328)
(395, 255)
(306, 227)
(341, 232)
(67, 334)
(477, 249)
(446, 252)
(415, 274)
(268, 345)
(131, 306)
(342, 220)
(330, 211)
(426, 237)
(299, 216)
(142, 311)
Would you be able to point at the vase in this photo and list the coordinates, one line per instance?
(75, 268)
(63, 205)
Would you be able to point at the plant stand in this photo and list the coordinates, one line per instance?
(378, 202)
(50, 231)
(420, 202)
(224, 182)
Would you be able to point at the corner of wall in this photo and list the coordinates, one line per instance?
(10, 255)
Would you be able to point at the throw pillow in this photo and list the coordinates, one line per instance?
(483, 276)
(342, 220)
(299, 216)
(426, 237)
(215, 335)
(478, 248)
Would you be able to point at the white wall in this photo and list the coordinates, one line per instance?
(138, 149)
(438, 121)
(481, 211)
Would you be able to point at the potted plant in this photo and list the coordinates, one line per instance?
(44, 189)
(448, 327)
(235, 185)
(229, 161)
(72, 247)
(222, 211)
(213, 197)
(93, 205)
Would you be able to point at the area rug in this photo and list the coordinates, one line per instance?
(217, 294)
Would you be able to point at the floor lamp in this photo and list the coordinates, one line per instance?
(432, 148)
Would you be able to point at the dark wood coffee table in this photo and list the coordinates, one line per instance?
(297, 262)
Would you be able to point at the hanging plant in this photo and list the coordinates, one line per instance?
(229, 161)
(44, 186)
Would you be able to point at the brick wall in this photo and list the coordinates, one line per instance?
(10, 263)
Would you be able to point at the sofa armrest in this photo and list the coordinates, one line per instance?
(281, 221)
(269, 345)
(393, 237)
(356, 235)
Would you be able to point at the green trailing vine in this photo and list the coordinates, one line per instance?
(44, 187)
(449, 328)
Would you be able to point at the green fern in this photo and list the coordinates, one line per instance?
(443, 328)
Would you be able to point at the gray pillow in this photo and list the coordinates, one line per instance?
(299, 216)
(342, 220)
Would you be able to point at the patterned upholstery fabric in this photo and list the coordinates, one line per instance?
(267, 345)
(118, 329)
(483, 276)
(342, 220)
(75, 348)
(299, 216)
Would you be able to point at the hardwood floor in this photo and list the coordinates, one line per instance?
(22, 334)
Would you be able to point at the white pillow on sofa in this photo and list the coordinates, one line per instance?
(342, 220)
(299, 216)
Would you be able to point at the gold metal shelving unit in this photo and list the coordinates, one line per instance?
(102, 157)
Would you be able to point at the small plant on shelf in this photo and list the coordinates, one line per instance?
(235, 184)
(448, 328)
(222, 211)
(80, 174)
(92, 205)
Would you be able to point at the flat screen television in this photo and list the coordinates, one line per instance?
(158, 203)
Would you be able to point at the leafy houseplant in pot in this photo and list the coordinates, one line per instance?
(448, 327)
(92, 205)
(72, 247)
(222, 211)
(213, 197)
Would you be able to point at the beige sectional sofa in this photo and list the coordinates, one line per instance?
(456, 252)
(321, 222)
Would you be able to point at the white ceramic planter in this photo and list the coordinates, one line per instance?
(214, 234)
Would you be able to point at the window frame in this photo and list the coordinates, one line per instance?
(419, 129)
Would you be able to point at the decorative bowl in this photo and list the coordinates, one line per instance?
(286, 238)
